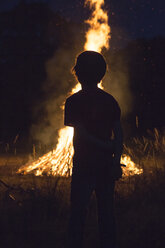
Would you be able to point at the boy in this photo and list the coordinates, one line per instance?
(95, 115)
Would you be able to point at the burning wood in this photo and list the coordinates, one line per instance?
(59, 161)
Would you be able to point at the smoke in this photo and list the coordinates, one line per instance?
(56, 87)
(116, 82)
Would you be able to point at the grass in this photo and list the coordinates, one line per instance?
(34, 211)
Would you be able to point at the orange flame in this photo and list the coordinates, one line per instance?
(98, 35)
(59, 161)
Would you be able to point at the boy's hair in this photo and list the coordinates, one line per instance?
(90, 67)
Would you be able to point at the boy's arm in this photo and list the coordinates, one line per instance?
(118, 142)
(96, 141)
(71, 120)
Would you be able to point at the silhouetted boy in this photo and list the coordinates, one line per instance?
(94, 114)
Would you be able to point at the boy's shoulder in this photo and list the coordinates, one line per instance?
(107, 96)
(74, 96)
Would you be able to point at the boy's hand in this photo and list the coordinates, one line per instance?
(117, 170)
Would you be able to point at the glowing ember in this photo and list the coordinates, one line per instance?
(59, 161)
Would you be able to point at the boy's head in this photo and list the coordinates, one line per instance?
(90, 68)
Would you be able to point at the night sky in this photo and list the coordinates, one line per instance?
(133, 18)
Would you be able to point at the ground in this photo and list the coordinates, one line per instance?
(34, 211)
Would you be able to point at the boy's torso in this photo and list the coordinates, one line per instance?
(96, 112)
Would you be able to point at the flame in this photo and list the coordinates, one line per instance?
(131, 168)
(98, 35)
(59, 161)
(56, 162)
